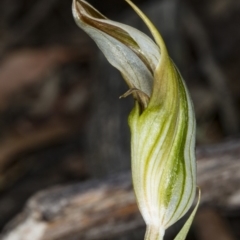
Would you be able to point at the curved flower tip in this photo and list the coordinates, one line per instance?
(133, 53)
(162, 122)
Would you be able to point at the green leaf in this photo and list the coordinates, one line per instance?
(184, 231)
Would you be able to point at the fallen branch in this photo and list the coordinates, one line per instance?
(107, 209)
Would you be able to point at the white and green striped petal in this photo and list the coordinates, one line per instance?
(162, 122)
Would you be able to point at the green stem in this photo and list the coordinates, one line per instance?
(154, 233)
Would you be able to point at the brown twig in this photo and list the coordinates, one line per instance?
(209, 66)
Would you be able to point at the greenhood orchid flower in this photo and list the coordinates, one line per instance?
(162, 122)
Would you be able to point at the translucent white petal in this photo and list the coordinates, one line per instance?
(137, 65)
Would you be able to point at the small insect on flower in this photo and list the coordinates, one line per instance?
(162, 122)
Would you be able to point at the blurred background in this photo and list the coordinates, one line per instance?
(61, 121)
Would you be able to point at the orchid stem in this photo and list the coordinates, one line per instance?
(154, 233)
